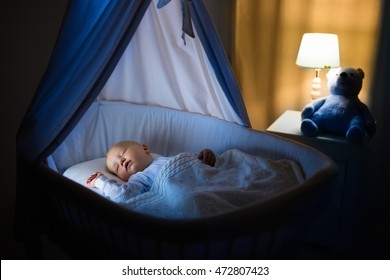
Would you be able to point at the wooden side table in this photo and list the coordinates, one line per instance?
(337, 227)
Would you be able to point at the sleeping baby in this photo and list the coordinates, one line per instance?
(191, 185)
(133, 163)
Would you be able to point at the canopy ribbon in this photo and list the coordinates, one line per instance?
(186, 15)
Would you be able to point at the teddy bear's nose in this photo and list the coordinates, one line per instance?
(343, 74)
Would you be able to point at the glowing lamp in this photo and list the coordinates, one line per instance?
(318, 51)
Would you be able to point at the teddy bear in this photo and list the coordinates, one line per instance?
(341, 112)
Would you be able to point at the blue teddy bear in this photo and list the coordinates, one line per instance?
(341, 112)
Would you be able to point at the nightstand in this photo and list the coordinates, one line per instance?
(338, 226)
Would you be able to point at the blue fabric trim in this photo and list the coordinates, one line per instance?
(162, 3)
(218, 59)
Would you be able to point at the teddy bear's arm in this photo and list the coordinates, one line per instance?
(369, 120)
(310, 108)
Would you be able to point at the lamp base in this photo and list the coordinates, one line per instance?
(316, 86)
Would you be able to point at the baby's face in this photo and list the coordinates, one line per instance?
(127, 158)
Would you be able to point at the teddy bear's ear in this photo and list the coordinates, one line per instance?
(361, 72)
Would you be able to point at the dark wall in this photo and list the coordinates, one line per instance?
(28, 31)
(221, 12)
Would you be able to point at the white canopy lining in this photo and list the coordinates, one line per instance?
(157, 68)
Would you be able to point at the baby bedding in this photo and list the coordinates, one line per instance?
(188, 188)
(81, 171)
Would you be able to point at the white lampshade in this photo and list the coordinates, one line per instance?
(319, 50)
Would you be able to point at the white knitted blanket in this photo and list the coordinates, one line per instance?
(186, 187)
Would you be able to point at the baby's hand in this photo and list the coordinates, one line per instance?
(92, 179)
(207, 156)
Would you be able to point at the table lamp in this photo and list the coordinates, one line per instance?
(318, 51)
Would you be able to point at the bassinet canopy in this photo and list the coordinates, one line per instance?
(95, 57)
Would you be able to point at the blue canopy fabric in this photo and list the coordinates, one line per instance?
(91, 41)
(216, 54)
(93, 36)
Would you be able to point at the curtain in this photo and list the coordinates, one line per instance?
(266, 41)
